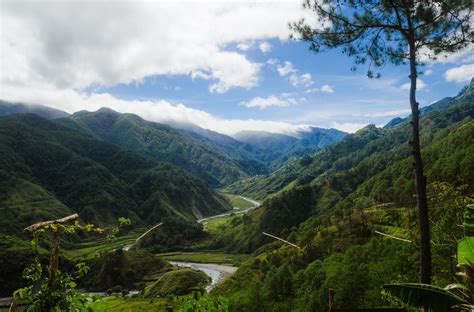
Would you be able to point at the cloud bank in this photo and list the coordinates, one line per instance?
(159, 111)
(73, 45)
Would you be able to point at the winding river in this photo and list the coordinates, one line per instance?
(256, 204)
(217, 272)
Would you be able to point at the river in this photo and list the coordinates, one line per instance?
(256, 204)
(217, 272)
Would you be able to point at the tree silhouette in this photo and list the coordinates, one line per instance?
(399, 32)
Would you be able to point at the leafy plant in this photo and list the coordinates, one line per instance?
(57, 295)
(116, 230)
(429, 297)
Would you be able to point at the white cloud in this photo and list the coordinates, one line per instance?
(327, 89)
(324, 89)
(77, 44)
(312, 90)
(265, 47)
(270, 101)
(199, 74)
(154, 110)
(463, 73)
(348, 126)
(304, 80)
(272, 61)
(295, 78)
(286, 69)
(420, 85)
(465, 55)
(428, 72)
(399, 112)
(244, 46)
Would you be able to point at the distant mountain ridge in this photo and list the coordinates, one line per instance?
(277, 149)
(261, 151)
(379, 146)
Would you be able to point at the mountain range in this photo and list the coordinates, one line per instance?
(215, 158)
(387, 144)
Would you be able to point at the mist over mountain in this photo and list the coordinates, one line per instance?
(7, 108)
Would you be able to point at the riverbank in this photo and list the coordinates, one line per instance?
(217, 272)
(255, 205)
(214, 257)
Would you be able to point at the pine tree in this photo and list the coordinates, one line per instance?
(400, 32)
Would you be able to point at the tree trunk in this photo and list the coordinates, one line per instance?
(420, 179)
(54, 258)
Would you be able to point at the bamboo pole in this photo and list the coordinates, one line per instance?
(144, 234)
(281, 239)
(394, 237)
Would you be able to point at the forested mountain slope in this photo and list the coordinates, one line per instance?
(163, 143)
(334, 214)
(49, 169)
(216, 158)
(247, 156)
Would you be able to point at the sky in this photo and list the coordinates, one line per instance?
(222, 65)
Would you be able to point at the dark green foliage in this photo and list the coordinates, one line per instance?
(13, 261)
(174, 234)
(124, 268)
(287, 279)
(58, 294)
(279, 284)
(178, 282)
(366, 187)
(205, 304)
(51, 169)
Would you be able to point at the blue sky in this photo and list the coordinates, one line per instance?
(226, 67)
(356, 100)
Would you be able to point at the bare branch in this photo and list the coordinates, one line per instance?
(40, 225)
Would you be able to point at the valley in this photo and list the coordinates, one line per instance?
(177, 217)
